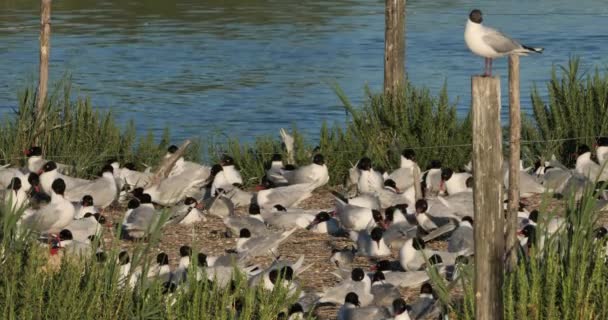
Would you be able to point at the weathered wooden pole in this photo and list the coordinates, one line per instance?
(514, 148)
(487, 195)
(167, 164)
(45, 48)
(417, 180)
(394, 45)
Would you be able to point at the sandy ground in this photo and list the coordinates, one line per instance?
(209, 237)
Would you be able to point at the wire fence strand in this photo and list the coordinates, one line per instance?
(219, 151)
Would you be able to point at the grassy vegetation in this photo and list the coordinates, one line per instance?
(565, 278)
(577, 107)
(78, 134)
(36, 285)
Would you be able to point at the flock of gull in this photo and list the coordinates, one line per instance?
(380, 211)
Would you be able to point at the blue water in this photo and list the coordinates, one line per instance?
(247, 68)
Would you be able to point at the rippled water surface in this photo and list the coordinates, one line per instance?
(249, 67)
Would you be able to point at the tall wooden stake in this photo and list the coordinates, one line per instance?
(514, 147)
(417, 181)
(45, 48)
(487, 195)
(394, 45)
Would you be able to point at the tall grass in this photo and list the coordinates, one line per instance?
(35, 286)
(75, 133)
(385, 125)
(565, 278)
(577, 106)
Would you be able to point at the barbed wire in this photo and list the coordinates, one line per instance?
(222, 151)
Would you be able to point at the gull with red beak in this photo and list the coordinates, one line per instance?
(35, 162)
(52, 217)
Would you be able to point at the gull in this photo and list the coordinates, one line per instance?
(432, 178)
(175, 188)
(370, 180)
(253, 222)
(391, 195)
(358, 283)
(274, 170)
(403, 279)
(354, 217)
(219, 206)
(15, 194)
(404, 176)
(287, 196)
(384, 293)
(424, 304)
(103, 190)
(142, 219)
(371, 244)
(35, 161)
(454, 183)
(490, 43)
(186, 213)
(316, 173)
(226, 174)
(86, 205)
(220, 269)
(180, 274)
(49, 173)
(89, 225)
(462, 238)
(53, 217)
(351, 310)
(248, 246)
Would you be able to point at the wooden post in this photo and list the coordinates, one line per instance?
(167, 164)
(45, 48)
(514, 148)
(394, 45)
(417, 186)
(487, 196)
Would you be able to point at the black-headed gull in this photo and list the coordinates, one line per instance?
(384, 293)
(455, 182)
(15, 194)
(358, 283)
(103, 190)
(35, 161)
(351, 310)
(49, 173)
(370, 180)
(53, 217)
(463, 237)
(316, 173)
(490, 43)
(86, 205)
(424, 304)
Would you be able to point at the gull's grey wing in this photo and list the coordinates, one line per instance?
(500, 42)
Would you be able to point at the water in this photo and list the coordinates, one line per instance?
(247, 68)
